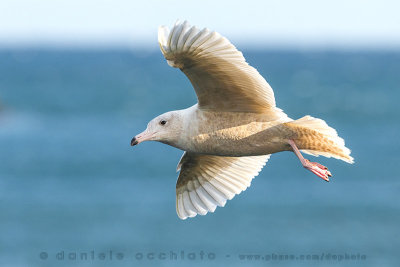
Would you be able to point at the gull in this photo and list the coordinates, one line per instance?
(229, 135)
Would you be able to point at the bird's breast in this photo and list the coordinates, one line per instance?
(248, 139)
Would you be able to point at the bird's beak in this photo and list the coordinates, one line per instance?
(144, 136)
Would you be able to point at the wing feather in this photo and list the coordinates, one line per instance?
(219, 73)
(206, 181)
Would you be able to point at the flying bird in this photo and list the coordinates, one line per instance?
(229, 135)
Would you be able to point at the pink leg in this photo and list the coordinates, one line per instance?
(314, 167)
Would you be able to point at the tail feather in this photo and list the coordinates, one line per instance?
(315, 137)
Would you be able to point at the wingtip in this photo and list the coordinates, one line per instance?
(163, 32)
(177, 22)
(181, 216)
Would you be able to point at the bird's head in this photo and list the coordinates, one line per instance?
(165, 128)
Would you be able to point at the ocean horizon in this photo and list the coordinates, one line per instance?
(73, 192)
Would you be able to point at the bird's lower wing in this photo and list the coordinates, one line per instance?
(206, 181)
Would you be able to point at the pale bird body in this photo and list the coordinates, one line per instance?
(229, 135)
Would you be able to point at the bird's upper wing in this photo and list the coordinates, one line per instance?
(219, 73)
(206, 181)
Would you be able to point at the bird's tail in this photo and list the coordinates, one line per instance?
(313, 136)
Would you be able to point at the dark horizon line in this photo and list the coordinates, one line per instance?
(153, 49)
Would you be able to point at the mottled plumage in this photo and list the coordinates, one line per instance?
(229, 135)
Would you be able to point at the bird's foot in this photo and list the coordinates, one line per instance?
(318, 169)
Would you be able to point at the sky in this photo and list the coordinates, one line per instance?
(269, 23)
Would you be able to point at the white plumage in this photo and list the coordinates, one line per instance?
(211, 62)
(229, 135)
(206, 182)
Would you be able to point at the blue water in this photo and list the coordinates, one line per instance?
(70, 184)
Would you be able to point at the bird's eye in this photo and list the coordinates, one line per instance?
(163, 122)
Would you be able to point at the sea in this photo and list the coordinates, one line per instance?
(73, 192)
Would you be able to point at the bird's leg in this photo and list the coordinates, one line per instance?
(314, 167)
